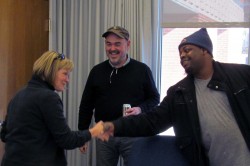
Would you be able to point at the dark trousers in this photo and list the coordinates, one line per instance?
(108, 153)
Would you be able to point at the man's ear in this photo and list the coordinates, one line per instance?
(128, 44)
(204, 51)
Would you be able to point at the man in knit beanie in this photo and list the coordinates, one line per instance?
(208, 109)
(198, 41)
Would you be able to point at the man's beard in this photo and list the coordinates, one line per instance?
(189, 71)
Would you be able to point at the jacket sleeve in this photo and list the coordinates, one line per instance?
(52, 110)
(87, 104)
(145, 124)
(152, 96)
(3, 130)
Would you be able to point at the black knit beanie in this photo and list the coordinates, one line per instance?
(199, 38)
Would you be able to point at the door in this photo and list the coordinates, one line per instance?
(24, 37)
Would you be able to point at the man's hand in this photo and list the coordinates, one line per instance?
(133, 111)
(84, 148)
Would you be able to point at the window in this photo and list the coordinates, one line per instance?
(227, 23)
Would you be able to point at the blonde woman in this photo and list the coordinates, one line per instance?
(35, 130)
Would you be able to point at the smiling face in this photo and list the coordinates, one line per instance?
(192, 59)
(61, 79)
(116, 49)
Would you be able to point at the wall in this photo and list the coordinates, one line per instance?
(23, 38)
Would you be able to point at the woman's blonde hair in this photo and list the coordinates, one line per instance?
(49, 63)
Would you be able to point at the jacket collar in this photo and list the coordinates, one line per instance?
(187, 84)
(218, 74)
(37, 81)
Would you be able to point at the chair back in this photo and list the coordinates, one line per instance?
(156, 151)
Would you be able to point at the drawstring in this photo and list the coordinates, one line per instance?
(112, 74)
(127, 61)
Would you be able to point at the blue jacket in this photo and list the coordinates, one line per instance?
(35, 130)
(179, 109)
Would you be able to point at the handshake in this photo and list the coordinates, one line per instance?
(102, 130)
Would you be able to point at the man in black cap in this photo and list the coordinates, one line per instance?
(209, 109)
(112, 83)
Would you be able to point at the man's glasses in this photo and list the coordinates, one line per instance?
(60, 57)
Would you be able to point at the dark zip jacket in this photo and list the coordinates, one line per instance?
(35, 130)
(179, 109)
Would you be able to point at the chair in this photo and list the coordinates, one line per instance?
(156, 151)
